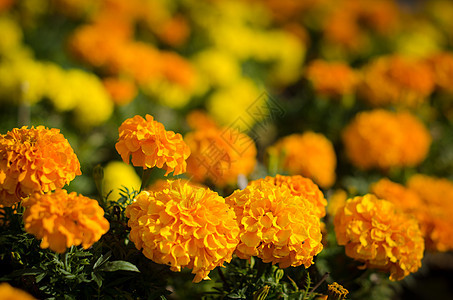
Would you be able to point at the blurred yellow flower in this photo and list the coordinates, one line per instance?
(299, 186)
(8, 292)
(384, 139)
(336, 201)
(275, 225)
(150, 145)
(11, 35)
(62, 220)
(34, 160)
(178, 225)
(118, 175)
(374, 232)
(309, 154)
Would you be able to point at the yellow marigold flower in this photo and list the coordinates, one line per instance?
(299, 186)
(275, 225)
(337, 291)
(220, 155)
(383, 139)
(396, 80)
(118, 175)
(332, 78)
(309, 154)
(62, 220)
(34, 160)
(150, 145)
(336, 201)
(435, 213)
(373, 231)
(178, 225)
(8, 292)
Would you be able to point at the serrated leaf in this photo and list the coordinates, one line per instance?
(118, 265)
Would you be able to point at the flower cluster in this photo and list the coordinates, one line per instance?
(373, 231)
(34, 160)
(309, 154)
(220, 155)
(383, 139)
(150, 145)
(299, 186)
(178, 225)
(62, 220)
(276, 225)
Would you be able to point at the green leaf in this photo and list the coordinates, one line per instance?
(118, 265)
(101, 260)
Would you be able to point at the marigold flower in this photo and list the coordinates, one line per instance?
(34, 160)
(396, 80)
(436, 210)
(336, 201)
(332, 78)
(275, 225)
(383, 139)
(442, 66)
(299, 186)
(373, 231)
(122, 91)
(337, 291)
(150, 145)
(309, 154)
(220, 155)
(62, 220)
(179, 225)
(118, 175)
(8, 292)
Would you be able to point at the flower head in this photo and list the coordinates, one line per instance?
(275, 225)
(8, 292)
(299, 186)
(220, 155)
(373, 231)
(150, 145)
(62, 220)
(309, 154)
(181, 225)
(34, 160)
(332, 78)
(383, 139)
(434, 214)
(118, 175)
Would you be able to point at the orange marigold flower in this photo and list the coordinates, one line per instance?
(435, 213)
(220, 155)
(62, 220)
(309, 154)
(396, 80)
(34, 160)
(383, 139)
(179, 225)
(122, 91)
(373, 231)
(8, 292)
(299, 186)
(332, 78)
(150, 145)
(275, 225)
(442, 66)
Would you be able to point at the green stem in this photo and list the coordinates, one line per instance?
(145, 178)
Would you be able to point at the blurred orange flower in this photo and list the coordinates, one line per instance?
(150, 145)
(220, 155)
(122, 91)
(396, 80)
(309, 154)
(436, 210)
(62, 220)
(442, 66)
(373, 231)
(299, 186)
(275, 225)
(8, 292)
(34, 160)
(179, 225)
(383, 139)
(332, 78)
